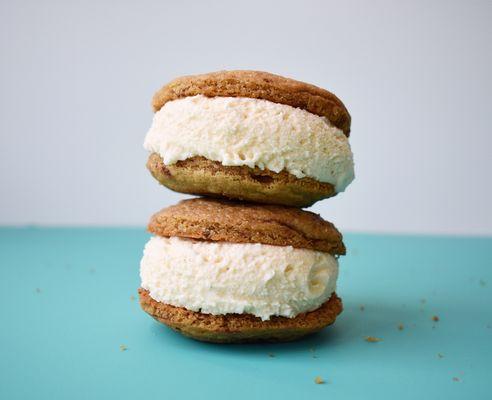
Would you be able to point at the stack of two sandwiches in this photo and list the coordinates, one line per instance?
(245, 263)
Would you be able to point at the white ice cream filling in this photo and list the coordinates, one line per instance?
(243, 278)
(257, 133)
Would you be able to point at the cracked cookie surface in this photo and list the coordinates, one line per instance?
(228, 221)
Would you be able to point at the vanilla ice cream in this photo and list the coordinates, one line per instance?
(257, 133)
(221, 278)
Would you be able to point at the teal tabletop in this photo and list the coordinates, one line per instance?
(72, 327)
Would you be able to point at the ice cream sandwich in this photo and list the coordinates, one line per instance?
(229, 272)
(251, 136)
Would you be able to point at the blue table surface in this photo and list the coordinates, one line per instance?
(68, 302)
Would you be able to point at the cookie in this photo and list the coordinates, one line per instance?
(240, 328)
(236, 222)
(250, 136)
(258, 85)
(200, 176)
(226, 271)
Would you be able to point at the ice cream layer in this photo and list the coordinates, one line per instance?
(221, 278)
(257, 133)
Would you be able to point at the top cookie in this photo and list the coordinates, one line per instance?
(258, 85)
(227, 221)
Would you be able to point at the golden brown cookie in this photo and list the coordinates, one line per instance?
(240, 328)
(201, 176)
(258, 85)
(227, 221)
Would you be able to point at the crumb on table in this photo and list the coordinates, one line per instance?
(318, 380)
(400, 327)
(271, 355)
(435, 318)
(132, 297)
(123, 347)
(456, 379)
(440, 355)
(372, 339)
(362, 307)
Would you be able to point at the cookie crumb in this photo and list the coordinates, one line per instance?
(318, 380)
(123, 347)
(372, 339)
(435, 318)
(271, 355)
(38, 290)
(440, 355)
(456, 379)
(132, 297)
(362, 307)
(400, 327)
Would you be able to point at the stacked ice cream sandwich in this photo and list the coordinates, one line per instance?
(245, 263)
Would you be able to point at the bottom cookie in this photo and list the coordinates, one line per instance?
(240, 328)
(200, 176)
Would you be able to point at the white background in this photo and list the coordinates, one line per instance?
(77, 79)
